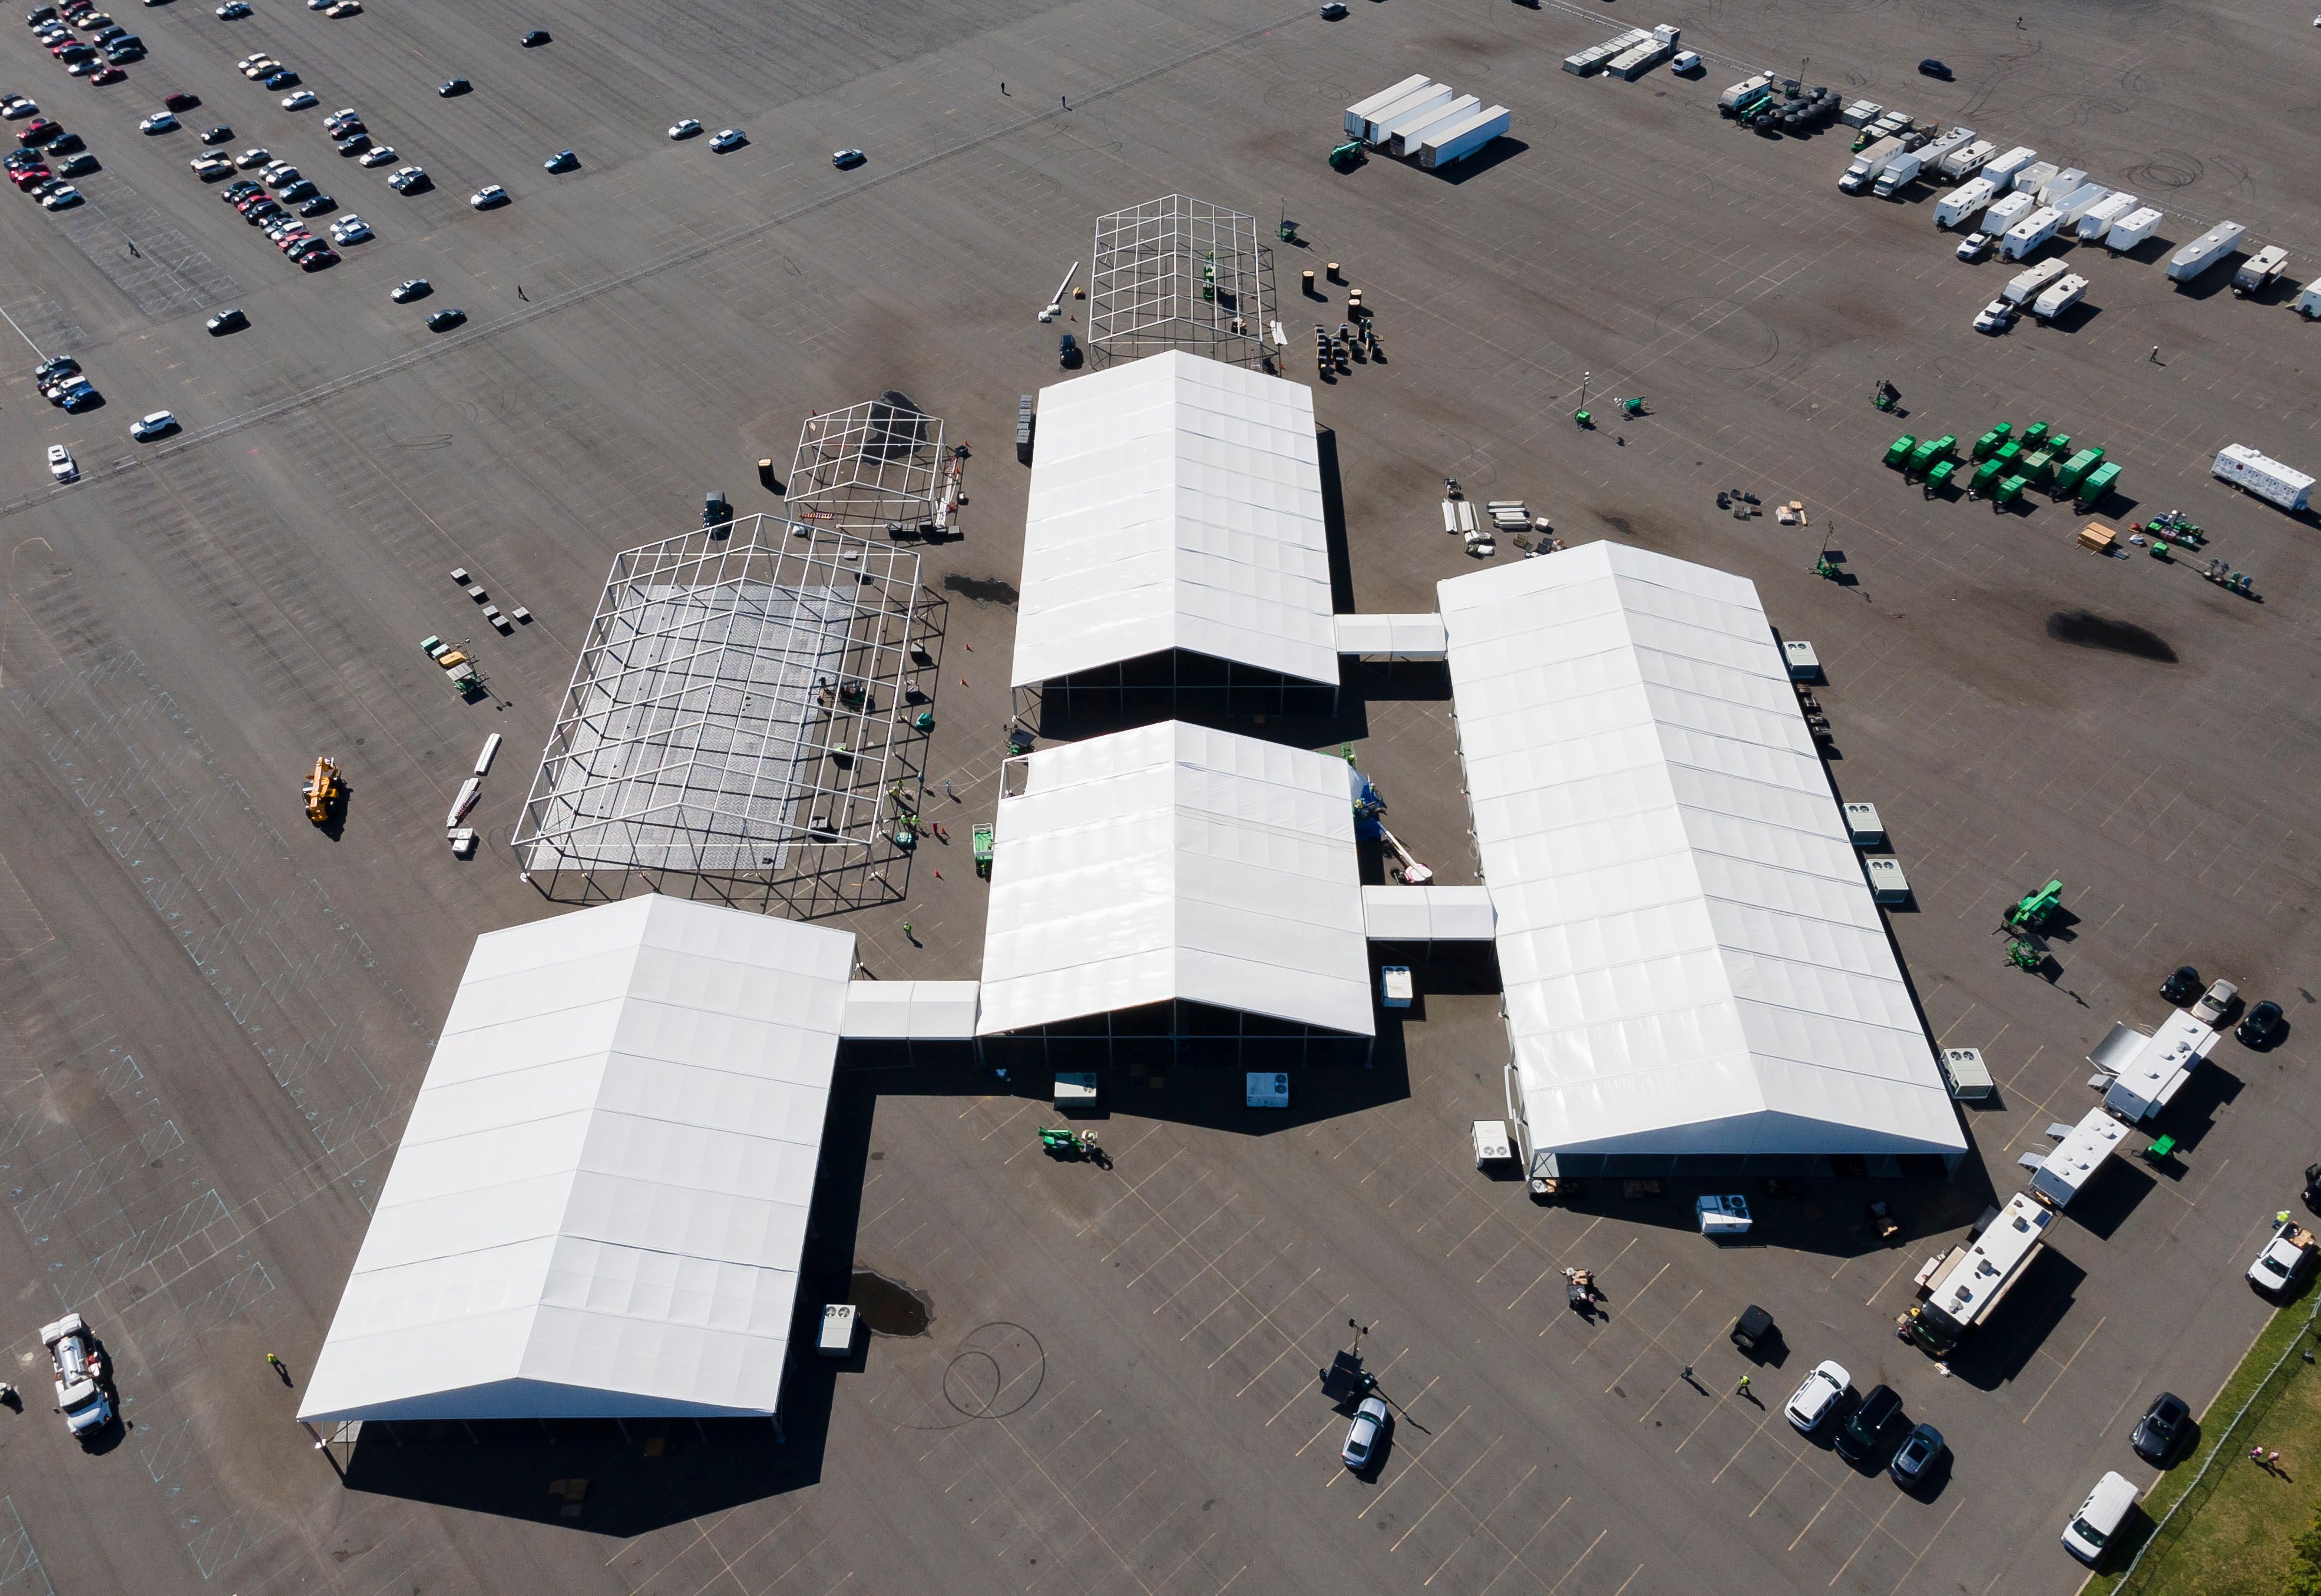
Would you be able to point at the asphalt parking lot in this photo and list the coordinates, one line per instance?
(218, 1015)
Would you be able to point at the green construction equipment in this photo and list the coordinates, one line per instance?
(1988, 444)
(2023, 955)
(2036, 908)
(2007, 492)
(2007, 453)
(2034, 435)
(1938, 477)
(1898, 453)
(982, 839)
(2096, 486)
(1986, 476)
(2073, 471)
(2037, 467)
(1347, 156)
(1583, 420)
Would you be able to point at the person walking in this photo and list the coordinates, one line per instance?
(906, 932)
(2155, 356)
(1743, 1389)
(2256, 1455)
(2272, 1463)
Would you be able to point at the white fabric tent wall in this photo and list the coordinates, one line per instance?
(599, 1204)
(1175, 502)
(1693, 964)
(1172, 861)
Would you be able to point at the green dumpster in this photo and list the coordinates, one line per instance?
(1988, 444)
(2033, 434)
(2097, 485)
(1986, 476)
(2073, 471)
(2007, 492)
(1900, 450)
(1939, 475)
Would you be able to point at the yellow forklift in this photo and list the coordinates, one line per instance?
(322, 790)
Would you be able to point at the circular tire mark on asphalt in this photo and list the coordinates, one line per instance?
(997, 1371)
(2169, 168)
(1708, 330)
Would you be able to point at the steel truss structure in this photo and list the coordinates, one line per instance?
(1179, 273)
(743, 722)
(874, 468)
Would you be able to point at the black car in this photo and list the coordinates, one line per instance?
(2182, 987)
(1931, 68)
(1916, 1458)
(2260, 1026)
(220, 134)
(67, 144)
(2161, 1427)
(445, 319)
(535, 40)
(322, 204)
(452, 87)
(1857, 1438)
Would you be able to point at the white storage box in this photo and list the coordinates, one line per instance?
(837, 1330)
(1863, 825)
(1268, 1089)
(1395, 986)
(1887, 885)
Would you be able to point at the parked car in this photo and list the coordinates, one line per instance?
(304, 100)
(60, 463)
(2216, 1002)
(231, 320)
(105, 75)
(61, 199)
(1974, 246)
(535, 40)
(379, 155)
(1362, 1434)
(2090, 1529)
(350, 230)
(1996, 316)
(161, 122)
(2260, 1026)
(79, 166)
(1931, 68)
(443, 320)
(232, 11)
(322, 204)
(404, 292)
(160, 424)
(452, 88)
(846, 160)
(563, 160)
(256, 156)
(489, 198)
(2181, 988)
(285, 78)
(1857, 1438)
(1818, 1397)
(729, 139)
(2161, 1427)
(2287, 1254)
(1914, 1459)
(685, 130)
(410, 180)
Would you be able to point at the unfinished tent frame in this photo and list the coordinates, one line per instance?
(1180, 273)
(878, 468)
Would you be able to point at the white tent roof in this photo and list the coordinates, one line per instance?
(599, 1203)
(910, 1010)
(1692, 961)
(1176, 503)
(1172, 861)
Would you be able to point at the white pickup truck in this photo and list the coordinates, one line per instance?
(2287, 1256)
(79, 1376)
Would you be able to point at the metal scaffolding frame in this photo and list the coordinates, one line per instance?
(744, 722)
(873, 468)
(1180, 273)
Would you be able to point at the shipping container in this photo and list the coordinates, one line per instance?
(1403, 134)
(2030, 233)
(2001, 169)
(1446, 146)
(1964, 202)
(2098, 220)
(2005, 211)
(1960, 164)
(1358, 114)
(2132, 229)
(2268, 479)
(1385, 116)
(2059, 297)
(2023, 289)
(2205, 251)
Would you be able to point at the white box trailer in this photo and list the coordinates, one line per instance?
(1667, 34)
(2005, 211)
(1970, 1282)
(1358, 114)
(1866, 166)
(1741, 91)
(2030, 233)
(2257, 272)
(1447, 146)
(2032, 178)
(2151, 1070)
(1388, 116)
(2308, 301)
(2132, 229)
(2096, 222)
(1403, 135)
(1964, 202)
(1941, 149)
(2205, 251)
(1964, 163)
(2062, 182)
(2267, 478)
(1900, 174)
(2077, 1157)
(2059, 297)
(2001, 169)
(2023, 289)
(2077, 204)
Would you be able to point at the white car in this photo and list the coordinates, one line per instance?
(1362, 1434)
(232, 11)
(206, 164)
(81, 1395)
(2215, 1003)
(729, 139)
(350, 230)
(1818, 1396)
(63, 199)
(2286, 1256)
(488, 197)
(1996, 316)
(377, 155)
(1974, 246)
(256, 155)
(161, 122)
(60, 463)
(685, 130)
(301, 101)
(16, 107)
(158, 424)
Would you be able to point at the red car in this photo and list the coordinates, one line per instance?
(107, 74)
(180, 100)
(39, 131)
(29, 176)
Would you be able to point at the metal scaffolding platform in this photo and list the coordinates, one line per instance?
(878, 468)
(1179, 273)
(743, 714)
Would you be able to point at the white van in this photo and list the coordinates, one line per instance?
(2098, 1518)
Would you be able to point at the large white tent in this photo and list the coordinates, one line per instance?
(1694, 967)
(1176, 862)
(599, 1204)
(1174, 504)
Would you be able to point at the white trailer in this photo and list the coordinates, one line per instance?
(1861, 113)
(1963, 1287)
(2205, 251)
(2150, 1070)
(1667, 34)
(1964, 202)
(1741, 91)
(2059, 297)
(2005, 211)
(1388, 116)
(2064, 182)
(2023, 289)
(2132, 229)
(2001, 168)
(1935, 151)
(1358, 114)
(2308, 301)
(1960, 164)
(2077, 204)
(2098, 220)
(2032, 178)
(1867, 165)
(1634, 63)
(1446, 146)
(2268, 479)
(2030, 233)
(1403, 135)
(2256, 274)
(1900, 174)
(2077, 1157)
